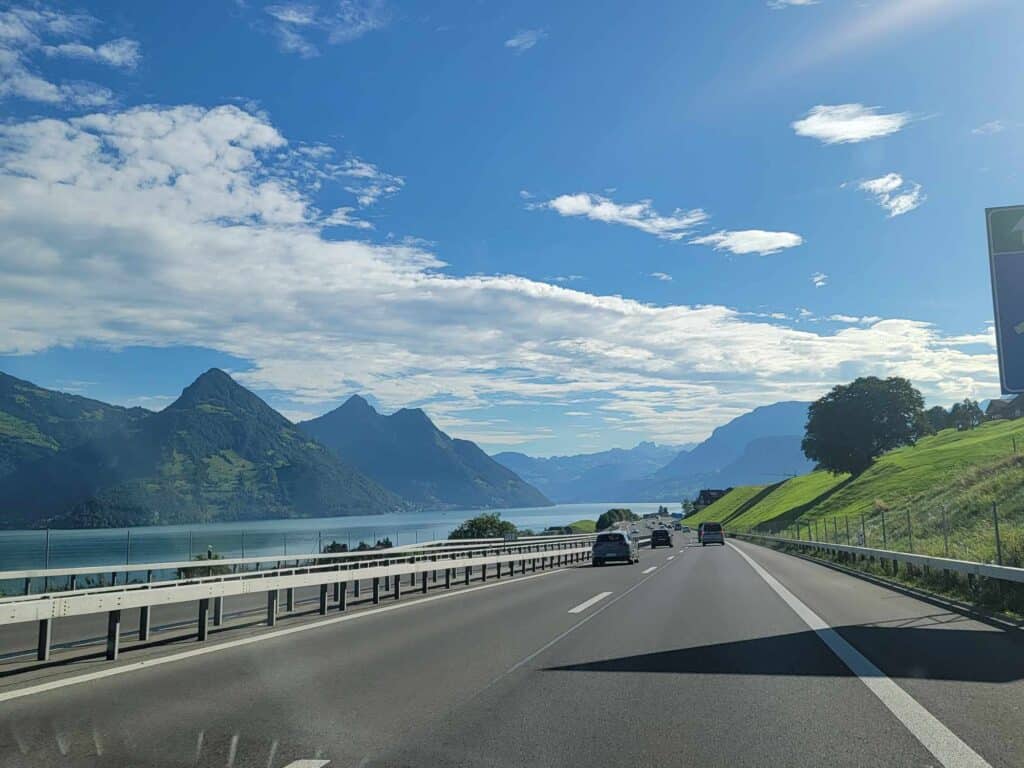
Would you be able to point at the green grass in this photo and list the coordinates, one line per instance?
(12, 427)
(584, 526)
(726, 507)
(935, 497)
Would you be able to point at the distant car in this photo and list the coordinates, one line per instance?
(712, 534)
(615, 545)
(685, 529)
(678, 527)
(661, 538)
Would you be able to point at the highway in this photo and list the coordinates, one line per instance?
(719, 656)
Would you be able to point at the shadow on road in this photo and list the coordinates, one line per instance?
(900, 652)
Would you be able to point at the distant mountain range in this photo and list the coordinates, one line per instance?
(219, 452)
(590, 476)
(407, 454)
(758, 447)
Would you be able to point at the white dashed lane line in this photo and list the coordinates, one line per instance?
(588, 603)
(649, 570)
(671, 557)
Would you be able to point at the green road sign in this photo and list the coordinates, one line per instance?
(1006, 262)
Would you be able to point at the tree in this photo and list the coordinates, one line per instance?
(688, 507)
(966, 415)
(937, 417)
(486, 526)
(612, 516)
(857, 422)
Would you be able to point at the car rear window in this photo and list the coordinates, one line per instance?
(609, 537)
(712, 527)
(660, 534)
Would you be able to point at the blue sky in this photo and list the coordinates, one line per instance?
(557, 227)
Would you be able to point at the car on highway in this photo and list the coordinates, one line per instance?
(685, 529)
(712, 534)
(615, 545)
(661, 538)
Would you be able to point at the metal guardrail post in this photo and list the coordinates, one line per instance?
(397, 582)
(447, 578)
(423, 582)
(45, 633)
(467, 571)
(218, 611)
(204, 618)
(376, 590)
(355, 588)
(337, 591)
(483, 572)
(323, 598)
(113, 634)
(289, 599)
(343, 597)
(271, 607)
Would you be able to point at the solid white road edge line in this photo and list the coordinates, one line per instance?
(945, 745)
(587, 603)
(653, 567)
(31, 690)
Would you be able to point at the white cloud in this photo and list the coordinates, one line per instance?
(123, 53)
(639, 215)
(745, 241)
(341, 21)
(192, 226)
(849, 123)
(893, 194)
(854, 319)
(987, 129)
(780, 4)
(525, 39)
(661, 276)
(371, 183)
(819, 279)
(26, 33)
(342, 217)
(566, 278)
(525, 194)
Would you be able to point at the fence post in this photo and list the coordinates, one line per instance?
(999, 544)
(910, 532)
(885, 540)
(848, 539)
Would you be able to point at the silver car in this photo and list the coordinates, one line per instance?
(616, 545)
(712, 534)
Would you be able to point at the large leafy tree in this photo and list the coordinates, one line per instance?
(856, 422)
(486, 526)
(966, 415)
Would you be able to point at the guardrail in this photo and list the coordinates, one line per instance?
(320, 569)
(988, 570)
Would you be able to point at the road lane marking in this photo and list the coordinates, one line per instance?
(587, 603)
(32, 690)
(945, 745)
(649, 570)
(567, 632)
(308, 764)
(671, 557)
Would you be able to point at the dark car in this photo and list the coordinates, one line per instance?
(661, 537)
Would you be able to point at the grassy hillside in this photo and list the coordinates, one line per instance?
(949, 479)
(729, 506)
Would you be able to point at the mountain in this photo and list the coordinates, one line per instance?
(407, 454)
(36, 422)
(589, 476)
(761, 446)
(217, 453)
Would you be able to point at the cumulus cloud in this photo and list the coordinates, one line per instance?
(340, 21)
(819, 279)
(30, 33)
(525, 39)
(849, 123)
(893, 194)
(854, 319)
(639, 215)
(745, 241)
(193, 226)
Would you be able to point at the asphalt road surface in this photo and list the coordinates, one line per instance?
(730, 656)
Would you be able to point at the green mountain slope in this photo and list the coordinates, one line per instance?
(217, 453)
(406, 453)
(36, 422)
(949, 479)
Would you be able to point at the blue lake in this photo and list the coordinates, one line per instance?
(166, 543)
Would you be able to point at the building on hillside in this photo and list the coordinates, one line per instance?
(709, 496)
(1005, 409)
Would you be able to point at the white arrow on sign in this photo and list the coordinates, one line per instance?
(1020, 228)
